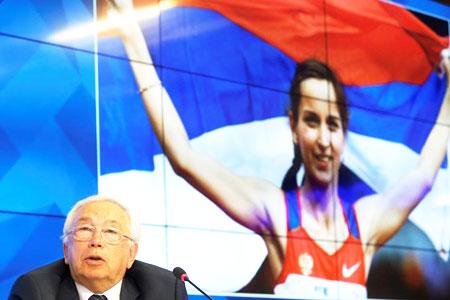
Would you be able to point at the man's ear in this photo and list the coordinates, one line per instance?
(66, 254)
(133, 251)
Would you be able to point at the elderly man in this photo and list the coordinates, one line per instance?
(100, 246)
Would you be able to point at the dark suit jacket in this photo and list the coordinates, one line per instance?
(141, 282)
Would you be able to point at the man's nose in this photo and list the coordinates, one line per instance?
(97, 239)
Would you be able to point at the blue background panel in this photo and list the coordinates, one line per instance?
(48, 152)
(30, 240)
(47, 121)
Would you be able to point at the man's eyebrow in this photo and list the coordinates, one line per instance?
(84, 219)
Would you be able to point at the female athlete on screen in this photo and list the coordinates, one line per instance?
(326, 243)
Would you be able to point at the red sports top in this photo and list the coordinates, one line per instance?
(305, 257)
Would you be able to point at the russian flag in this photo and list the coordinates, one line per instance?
(227, 65)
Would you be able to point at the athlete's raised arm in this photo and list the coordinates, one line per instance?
(242, 198)
(383, 214)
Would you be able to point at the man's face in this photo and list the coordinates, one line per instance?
(95, 263)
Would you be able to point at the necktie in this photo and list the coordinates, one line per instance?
(98, 297)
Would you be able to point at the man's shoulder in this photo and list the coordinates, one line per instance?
(46, 280)
(150, 280)
(56, 268)
(141, 268)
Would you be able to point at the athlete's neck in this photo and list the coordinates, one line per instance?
(320, 202)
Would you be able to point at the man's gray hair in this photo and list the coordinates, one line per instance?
(133, 223)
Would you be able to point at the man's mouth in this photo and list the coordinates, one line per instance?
(94, 260)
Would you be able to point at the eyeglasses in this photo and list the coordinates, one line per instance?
(109, 235)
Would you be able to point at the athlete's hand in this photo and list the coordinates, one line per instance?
(444, 65)
(121, 6)
(122, 14)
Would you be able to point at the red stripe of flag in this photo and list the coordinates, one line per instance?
(369, 42)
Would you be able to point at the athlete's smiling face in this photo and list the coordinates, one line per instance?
(318, 131)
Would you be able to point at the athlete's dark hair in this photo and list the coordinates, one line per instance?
(311, 69)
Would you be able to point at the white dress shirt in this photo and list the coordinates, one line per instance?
(112, 294)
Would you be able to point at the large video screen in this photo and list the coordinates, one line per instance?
(272, 149)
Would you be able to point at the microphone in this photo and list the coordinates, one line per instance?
(181, 274)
